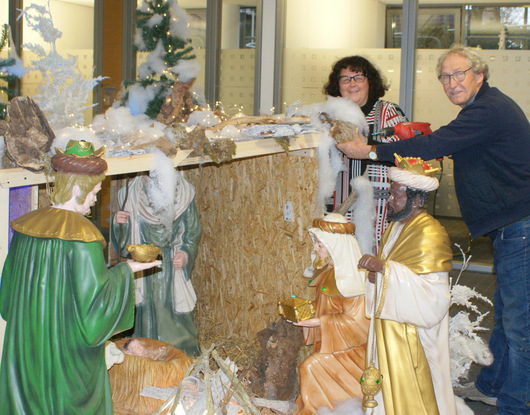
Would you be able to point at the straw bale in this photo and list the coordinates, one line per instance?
(250, 258)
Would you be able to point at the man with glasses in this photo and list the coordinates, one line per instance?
(489, 142)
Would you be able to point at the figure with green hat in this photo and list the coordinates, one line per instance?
(60, 301)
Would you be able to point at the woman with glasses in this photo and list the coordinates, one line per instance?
(358, 79)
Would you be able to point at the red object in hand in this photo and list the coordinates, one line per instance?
(406, 130)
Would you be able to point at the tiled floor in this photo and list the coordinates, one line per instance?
(481, 253)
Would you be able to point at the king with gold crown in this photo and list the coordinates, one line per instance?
(407, 295)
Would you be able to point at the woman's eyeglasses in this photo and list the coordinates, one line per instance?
(346, 79)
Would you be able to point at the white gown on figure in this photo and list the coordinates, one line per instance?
(423, 301)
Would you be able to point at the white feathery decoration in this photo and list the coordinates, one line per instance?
(338, 108)
(329, 165)
(465, 344)
(363, 213)
(63, 91)
(162, 187)
(330, 160)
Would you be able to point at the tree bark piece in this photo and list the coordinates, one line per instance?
(274, 374)
(340, 131)
(29, 135)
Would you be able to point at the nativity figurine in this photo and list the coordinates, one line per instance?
(159, 209)
(339, 330)
(60, 302)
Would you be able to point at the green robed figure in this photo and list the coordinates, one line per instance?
(60, 301)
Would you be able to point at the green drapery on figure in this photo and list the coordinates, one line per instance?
(165, 299)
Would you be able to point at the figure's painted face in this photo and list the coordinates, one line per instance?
(399, 206)
(90, 200)
(323, 257)
(320, 249)
(460, 93)
(356, 91)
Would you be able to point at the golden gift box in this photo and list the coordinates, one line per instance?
(296, 309)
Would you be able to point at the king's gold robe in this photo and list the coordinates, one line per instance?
(412, 321)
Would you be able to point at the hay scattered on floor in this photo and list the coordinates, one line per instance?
(241, 350)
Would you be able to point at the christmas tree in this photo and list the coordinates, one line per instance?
(161, 30)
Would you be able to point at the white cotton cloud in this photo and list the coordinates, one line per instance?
(179, 23)
(206, 118)
(17, 69)
(144, 8)
(154, 20)
(139, 41)
(155, 62)
(140, 97)
(186, 69)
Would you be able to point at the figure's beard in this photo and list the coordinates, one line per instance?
(320, 263)
(404, 213)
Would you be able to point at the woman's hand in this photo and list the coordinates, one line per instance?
(356, 148)
(122, 216)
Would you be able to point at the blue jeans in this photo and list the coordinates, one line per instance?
(508, 377)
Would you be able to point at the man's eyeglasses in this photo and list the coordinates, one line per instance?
(358, 79)
(458, 76)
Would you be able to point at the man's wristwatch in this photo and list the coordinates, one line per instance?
(372, 155)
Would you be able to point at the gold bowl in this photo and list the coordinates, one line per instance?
(143, 253)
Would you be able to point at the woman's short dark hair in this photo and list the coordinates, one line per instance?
(378, 86)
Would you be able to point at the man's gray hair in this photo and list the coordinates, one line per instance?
(476, 63)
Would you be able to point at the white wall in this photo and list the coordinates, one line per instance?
(230, 26)
(334, 24)
(4, 10)
(75, 21)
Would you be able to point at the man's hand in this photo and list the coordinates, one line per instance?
(371, 264)
(179, 259)
(355, 149)
(310, 322)
(142, 266)
(121, 217)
